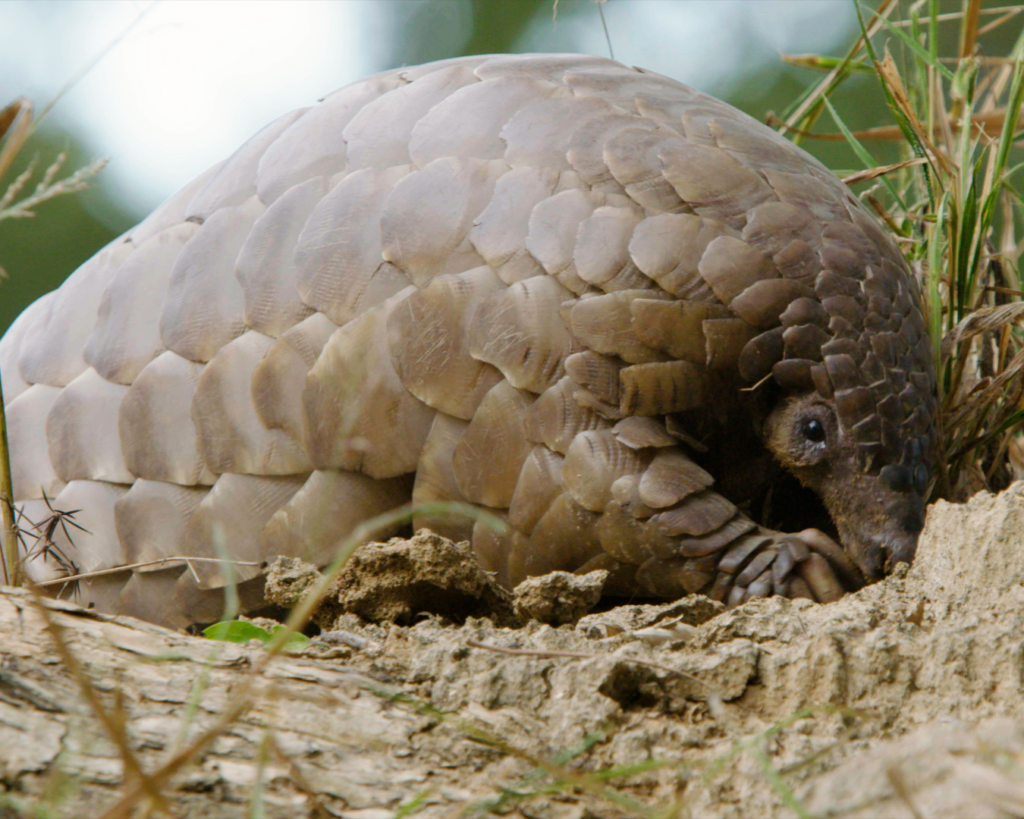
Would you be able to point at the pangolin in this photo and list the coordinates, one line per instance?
(585, 297)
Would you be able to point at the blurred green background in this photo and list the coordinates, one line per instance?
(191, 80)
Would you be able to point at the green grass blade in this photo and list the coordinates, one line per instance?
(862, 153)
(935, 257)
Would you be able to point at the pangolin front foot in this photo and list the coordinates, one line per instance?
(803, 564)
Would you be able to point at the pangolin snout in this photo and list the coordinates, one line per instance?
(902, 546)
(882, 530)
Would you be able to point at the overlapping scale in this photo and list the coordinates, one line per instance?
(467, 124)
(32, 472)
(500, 231)
(512, 329)
(378, 135)
(174, 210)
(229, 434)
(427, 340)
(339, 267)
(229, 522)
(126, 336)
(204, 306)
(538, 135)
(313, 524)
(280, 376)
(266, 266)
(489, 456)
(357, 414)
(151, 519)
(435, 479)
(51, 351)
(158, 436)
(313, 145)
(427, 217)
(235, 181)
(10, 346)
(81, 431)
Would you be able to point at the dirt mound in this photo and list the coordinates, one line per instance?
(901, 700)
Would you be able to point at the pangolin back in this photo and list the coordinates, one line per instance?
(535, 284)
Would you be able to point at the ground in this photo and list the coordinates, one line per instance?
(903, 700)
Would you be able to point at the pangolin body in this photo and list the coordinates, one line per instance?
(541, 284)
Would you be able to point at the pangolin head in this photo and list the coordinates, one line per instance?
(879, 513)
(855, 417)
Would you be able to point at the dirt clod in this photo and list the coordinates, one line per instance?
(402, 579)
(558, 598)
(288, 579)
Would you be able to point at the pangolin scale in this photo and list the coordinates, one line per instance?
(585, 297)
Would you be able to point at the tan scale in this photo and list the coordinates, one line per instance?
(81, 431)
(126, 336)
(154, 423)
(266, 266)
(429, 345)
(235, 180)
(229, 433)
(357, 414)
(280, 376)
(204, 306)
(339, 267)
(511, 329)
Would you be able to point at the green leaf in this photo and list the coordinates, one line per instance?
(242, 631)
(236, 631)
(295, 641)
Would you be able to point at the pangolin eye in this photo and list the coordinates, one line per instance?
(813, 430)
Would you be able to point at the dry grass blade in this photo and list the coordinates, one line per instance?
(890, 76)
(969, 28)
(986, 395)
(983, 320)
(18, 126)
(47, 188)
(989, 122)
(805, 114)
(170, 562)
(10, 113)
(881, 170)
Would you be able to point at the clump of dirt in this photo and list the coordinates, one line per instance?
(871, 706)
(559, 597)
(399, 581)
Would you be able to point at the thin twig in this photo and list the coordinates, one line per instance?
(177, 559)
(604, 25)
